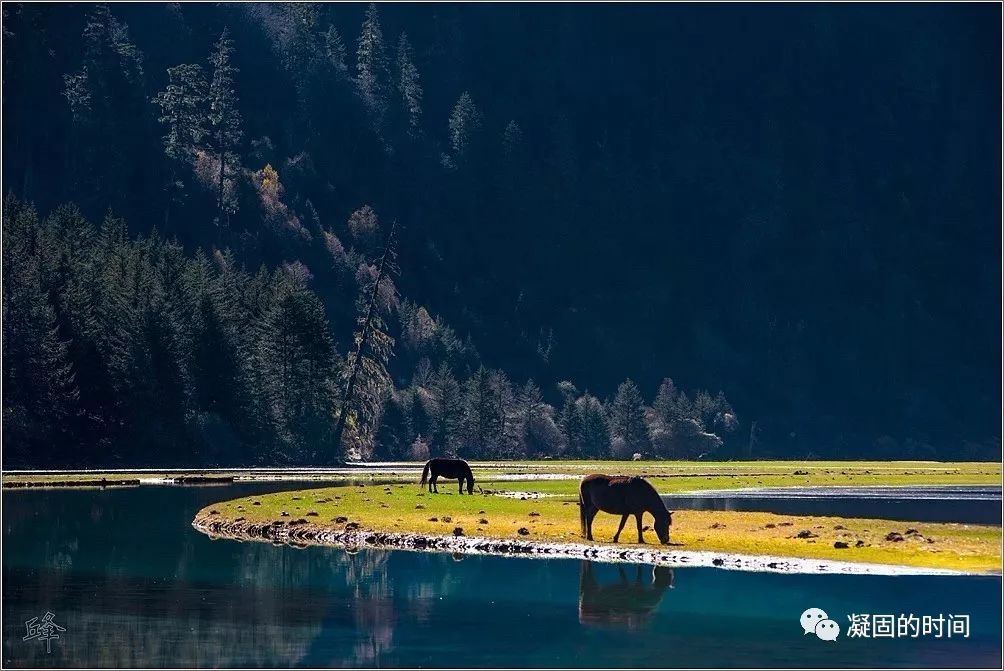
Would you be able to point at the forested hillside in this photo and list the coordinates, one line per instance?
(199, 258)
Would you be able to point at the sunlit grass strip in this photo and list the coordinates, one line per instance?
(409, 509)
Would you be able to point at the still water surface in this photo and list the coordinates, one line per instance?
(134, 585)
(972, 504)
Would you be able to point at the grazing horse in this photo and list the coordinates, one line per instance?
(450, 469)
(624, 496)
(625, 603)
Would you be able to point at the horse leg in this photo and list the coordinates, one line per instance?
(435, 487)
(590, 515)
(641, 538)
(620, 528)
(460, 483)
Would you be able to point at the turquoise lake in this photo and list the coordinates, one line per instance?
(133, 584)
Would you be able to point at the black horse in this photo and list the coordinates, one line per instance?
(622, 496)
(451, 469)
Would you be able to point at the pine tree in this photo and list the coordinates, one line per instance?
(408, 85)
(372, 66)
(595, 430)
(446, 411)
(627, 418)
(529, 406)
(665, 404)
(334, 49)
(465, 122)
(393, 437)
(39, 393)
(225, 120)
(480, 419)
(183, 112)
(108, 109)
(299, 359)
(570, 422)
(504, 400)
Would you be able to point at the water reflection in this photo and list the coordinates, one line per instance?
(624, 603)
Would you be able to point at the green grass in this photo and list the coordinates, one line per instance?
(407, 508)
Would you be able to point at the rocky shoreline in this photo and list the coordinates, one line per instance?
(300, 533)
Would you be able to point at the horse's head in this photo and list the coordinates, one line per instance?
(470, 485)
(662, 523)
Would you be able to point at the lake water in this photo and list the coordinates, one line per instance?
(975, 504)
(134, 585)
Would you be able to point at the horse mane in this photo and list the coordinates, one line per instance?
(652, 493)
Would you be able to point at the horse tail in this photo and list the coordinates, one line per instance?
(425, 472)
(582, 509)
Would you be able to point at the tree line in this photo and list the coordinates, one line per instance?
(122, 349)
(554, 190)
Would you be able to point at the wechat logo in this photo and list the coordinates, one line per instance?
(816, 621)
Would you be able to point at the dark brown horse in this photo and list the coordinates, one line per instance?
(624, 496)
(451, 469)
(625, 603)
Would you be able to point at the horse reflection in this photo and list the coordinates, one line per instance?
(624, 603)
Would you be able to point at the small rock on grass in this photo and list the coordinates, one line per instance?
(341, 518)
(312, 514)
(534, 514)
(447, 518)
(458, 531)
(770, 525)
(805, 533)
(483, 521)
(433, 519)
(840, 545)
(894, 536)
(523, 531)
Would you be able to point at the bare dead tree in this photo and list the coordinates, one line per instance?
(386, 263)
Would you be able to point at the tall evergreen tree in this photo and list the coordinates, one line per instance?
(481, 423)
(225, 121)
(408, 85)
(372, 66)
(627, 418)
(334, 49)
(529, 408)
(465, 123)
(446, 411)
(183, 112)
(595, 430)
